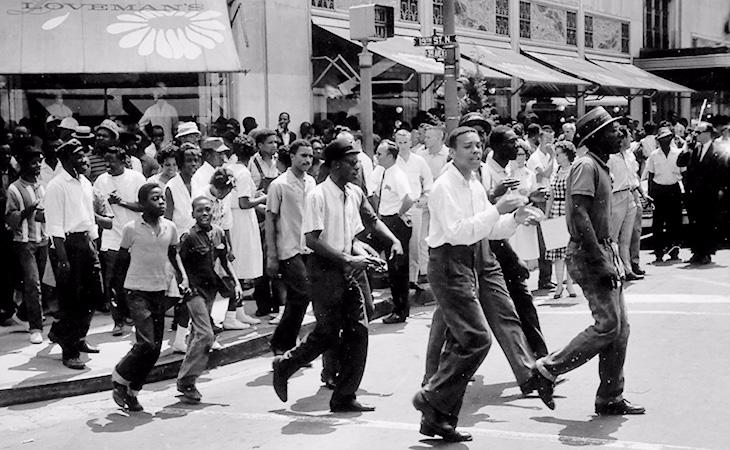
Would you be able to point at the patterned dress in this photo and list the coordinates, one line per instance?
(557, 194)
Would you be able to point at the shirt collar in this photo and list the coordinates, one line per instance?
(494, 165)
(602, 164)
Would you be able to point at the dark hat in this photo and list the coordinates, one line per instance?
(70, 147)
(337, 149)
(82, 132)
(474, 118)
(592, 122)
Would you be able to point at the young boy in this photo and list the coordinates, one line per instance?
(147, 244)
(200, 249)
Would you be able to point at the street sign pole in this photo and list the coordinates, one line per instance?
(366, 99)
(451, 69)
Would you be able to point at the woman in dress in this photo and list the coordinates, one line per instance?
(564, 156)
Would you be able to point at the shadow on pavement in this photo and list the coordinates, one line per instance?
(438, 443)
(596, 431)
(378, 328)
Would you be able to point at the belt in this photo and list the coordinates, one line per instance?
(621, 190)
(77, 234)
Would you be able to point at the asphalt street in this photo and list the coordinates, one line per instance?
(677, 367)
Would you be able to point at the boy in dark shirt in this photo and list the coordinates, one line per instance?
(201, 249)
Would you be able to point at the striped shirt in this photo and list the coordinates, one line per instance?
(22, 194)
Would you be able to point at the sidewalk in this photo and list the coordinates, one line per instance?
(33, 372)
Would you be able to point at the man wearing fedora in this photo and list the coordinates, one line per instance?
(70, 222)
(664, 176)
(593, 262)
(705, 185)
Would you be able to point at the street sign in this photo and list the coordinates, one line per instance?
(438, 53)
(434, 41)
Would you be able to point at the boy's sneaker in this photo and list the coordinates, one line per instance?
(36, 337)
(190, 394)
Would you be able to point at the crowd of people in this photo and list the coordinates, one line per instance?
(137, 221)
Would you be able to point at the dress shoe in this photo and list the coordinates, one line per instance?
(544, 388)
(329, 381)
(84, 347)
(394, 318)
(133, 404)
(122, 397)
(633, 277)
(52, 336)
(546, 286)
(190, 393)
(351, 406)
(427, 429)
(74, 363)
(623, 407)
(659, 259)
(118, 329)
(216, 328)
(704, 260)
(281, 378)
(637, 270)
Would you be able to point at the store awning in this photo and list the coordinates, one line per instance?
(123, 36)
(642, 78)
(512, 63)
(401, 50)
(586, 70)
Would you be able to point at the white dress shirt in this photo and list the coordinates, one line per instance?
(436, 161)
(334, 212)
(391, 186)
(126, 185)
(70, 206)
(461, 214)
(664, 167)
(618, 164)
(419, 174)
(367, 168)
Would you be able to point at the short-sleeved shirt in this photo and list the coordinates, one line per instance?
(664, 167)
(148, 254)
(590, 176)
(127, 186)
(70, 206)
(334, 212)
(390, 185)
(199, 250)
(286, 198)
(221, 209)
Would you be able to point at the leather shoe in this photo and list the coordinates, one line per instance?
(394, 318)
(637, 270)
(619, 408)
(433, 421)
(428, 429)
(190, 394)
(546, 286)
(74, 363)
(281, 378)
(351, 406)
(84, 347)
(544, 388)
(633, 277)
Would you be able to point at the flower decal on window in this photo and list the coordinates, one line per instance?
(170, 34)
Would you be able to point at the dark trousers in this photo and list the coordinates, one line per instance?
(452, 272)
(7, 276)
(31, 259)
(609, 335)
(502, 319)
(398, 266)
(341, 325)
(147, 310)
(294, 276)
(77, 292)
(515, 278)
(703, 210)
(114, 292)
(264, 291)
(545, 266)
(667, 217)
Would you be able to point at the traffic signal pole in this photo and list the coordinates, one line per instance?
(451, 66)
(366, 99)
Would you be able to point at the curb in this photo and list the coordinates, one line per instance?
(232, 353)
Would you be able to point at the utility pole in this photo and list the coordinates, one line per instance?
(366, 99)
(451, 66)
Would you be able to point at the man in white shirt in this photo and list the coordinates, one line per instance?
(50, 167)
(392, 197)
(421, 180)
(366, 163)
(160, 113)
(664, 176)
(70, 223)
(120, 186)
(214, 156)
(461, 218)
(542, 162)
(333, 217)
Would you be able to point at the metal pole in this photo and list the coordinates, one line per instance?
(366, 99)
(451, 68)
